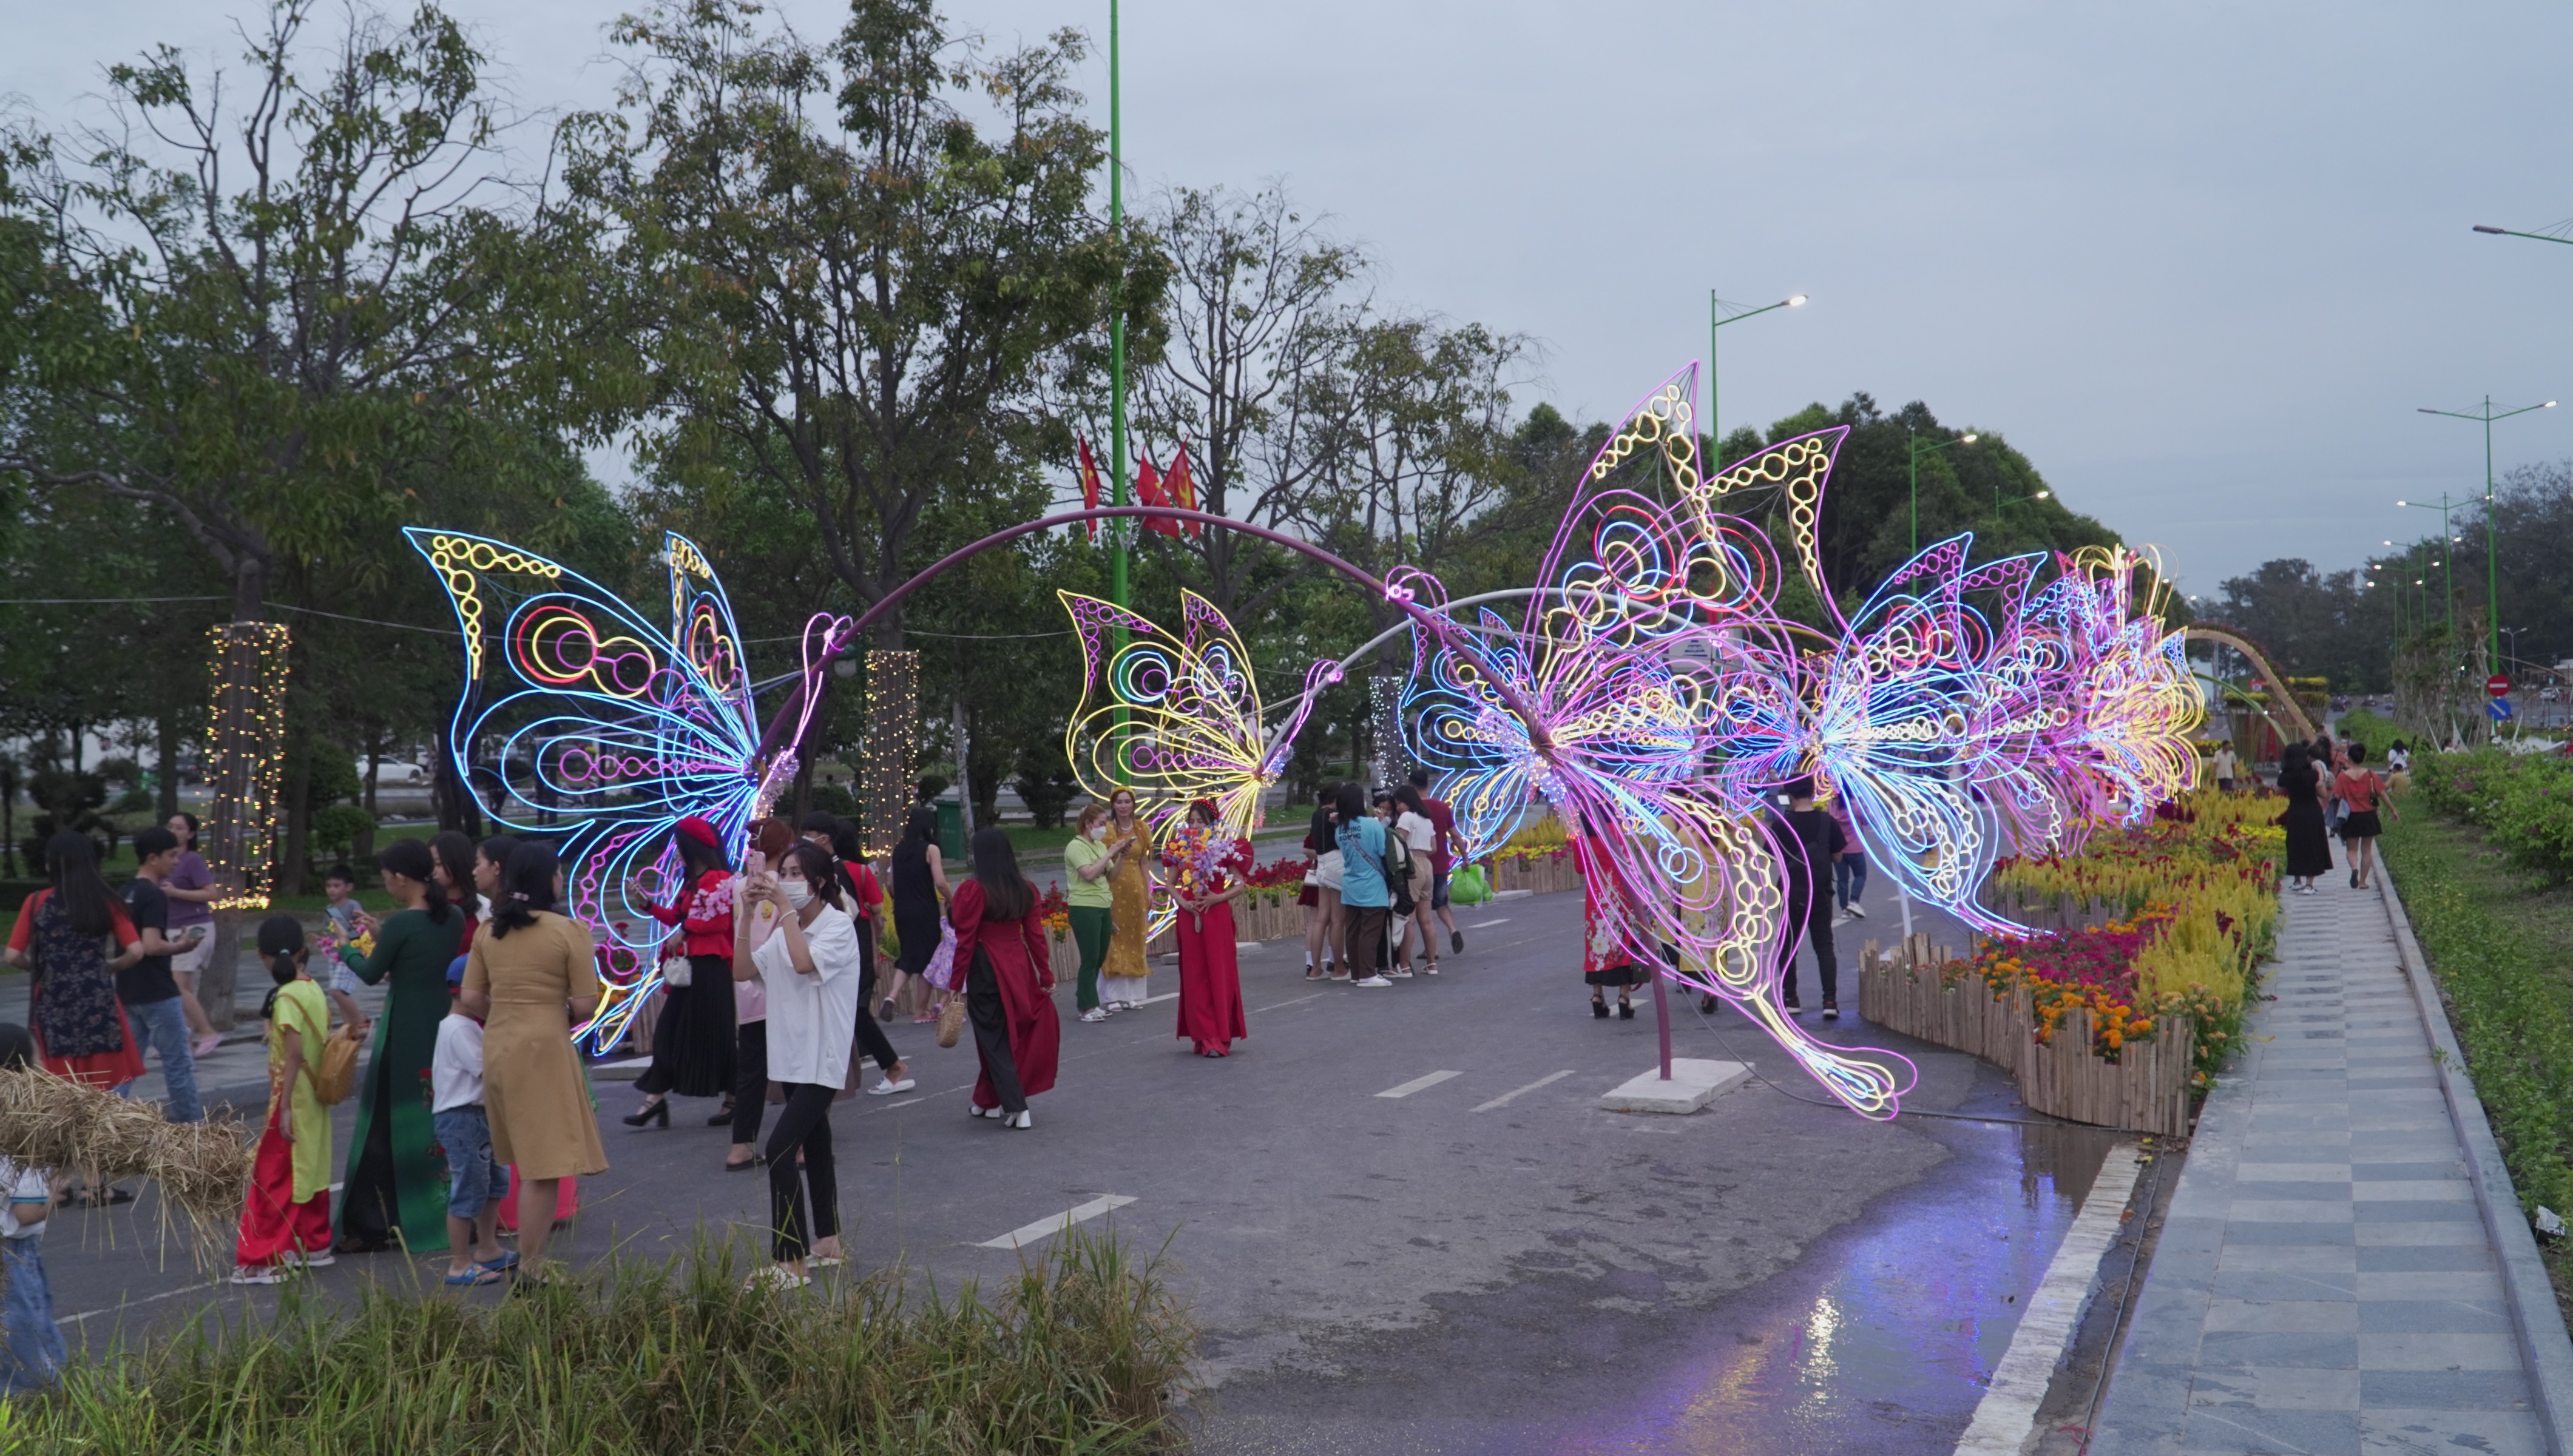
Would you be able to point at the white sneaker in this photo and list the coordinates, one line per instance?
(1094, 1013)
(1372, 981)
(1856, 912)
(886, 1087)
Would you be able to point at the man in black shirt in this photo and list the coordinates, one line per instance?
(149, 993)
(1809, 840)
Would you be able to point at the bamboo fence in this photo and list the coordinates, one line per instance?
(1924, 993)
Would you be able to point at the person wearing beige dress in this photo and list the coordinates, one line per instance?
(1124, 975)
(531, 977)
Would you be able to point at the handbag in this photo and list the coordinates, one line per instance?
(1468, 886)
(676, 971)
(941, 969)
(951, 1016)
(337, 1074)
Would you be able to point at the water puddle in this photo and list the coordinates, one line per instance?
(1882, 1336)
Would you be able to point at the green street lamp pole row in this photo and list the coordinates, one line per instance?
(1915, 449)
(1117, 357)
(2492, 551)
(1715, 320)
(2447, 552)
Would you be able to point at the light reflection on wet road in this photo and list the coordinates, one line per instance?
(1882, 1336)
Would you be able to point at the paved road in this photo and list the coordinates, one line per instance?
(1486, 1263)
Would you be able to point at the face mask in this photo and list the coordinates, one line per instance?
(798, 893)
(1099, 830)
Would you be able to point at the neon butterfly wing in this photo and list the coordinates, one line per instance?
(1191, 720)
(609, 729)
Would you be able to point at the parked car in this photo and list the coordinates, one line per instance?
(392, 774)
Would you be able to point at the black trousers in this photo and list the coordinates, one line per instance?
(871, 1036)
(1817, 926)
(990, 1018)
(804, 1122)
(1362, 942)
(750, 1082)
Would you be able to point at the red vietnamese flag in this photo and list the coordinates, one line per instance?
(1147, 491)
(1088, 486)
(1183, 487)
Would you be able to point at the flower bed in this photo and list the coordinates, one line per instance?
(2129, 992)
(2168, 920)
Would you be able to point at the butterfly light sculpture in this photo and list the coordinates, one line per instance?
(607, 728)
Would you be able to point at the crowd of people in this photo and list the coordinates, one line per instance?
(473, 1106)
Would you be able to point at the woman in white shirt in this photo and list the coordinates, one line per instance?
(809, 968)
(1411, 821)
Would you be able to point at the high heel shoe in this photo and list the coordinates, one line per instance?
(1625, 1010)
(659, 1111)
(1022, 1120)
(722, 1118)
(1598, 1009)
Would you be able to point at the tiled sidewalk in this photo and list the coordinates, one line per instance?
(2324, 1281)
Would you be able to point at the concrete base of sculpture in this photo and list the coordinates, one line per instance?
(1694, 1082)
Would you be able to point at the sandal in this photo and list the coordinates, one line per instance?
(475, 1275)
(93, 1198)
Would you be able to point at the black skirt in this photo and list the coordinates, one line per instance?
(692, 1042)
(2308, 846)
(2360, 824)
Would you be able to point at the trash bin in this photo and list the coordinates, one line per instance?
(951, 836)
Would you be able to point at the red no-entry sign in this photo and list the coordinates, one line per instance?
(2497, 686)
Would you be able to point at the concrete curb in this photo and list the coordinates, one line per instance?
(2544, 1347)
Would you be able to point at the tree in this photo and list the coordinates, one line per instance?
(830, 273)
(1256, 313)
(265, 324)
(2316, 625)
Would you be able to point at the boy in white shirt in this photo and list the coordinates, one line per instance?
(31, 1344)
(474, 1178)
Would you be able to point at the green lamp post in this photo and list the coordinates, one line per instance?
(1717, 317)
(2492, 551)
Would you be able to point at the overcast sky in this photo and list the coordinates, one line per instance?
(2200, 261)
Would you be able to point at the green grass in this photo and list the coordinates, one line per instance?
(1083, 1352)
(2500, 942)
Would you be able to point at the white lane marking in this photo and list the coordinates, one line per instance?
(131, 1303)
(1531, 1086)
(2007, 1415)
(1300, 1001)
(1418, 1084)
(1154, 1000)
(1478, 925)
(1048, 1227)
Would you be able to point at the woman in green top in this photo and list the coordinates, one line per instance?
(1093, 902)
(396, 1176)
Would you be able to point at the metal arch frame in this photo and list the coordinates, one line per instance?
(781, 730)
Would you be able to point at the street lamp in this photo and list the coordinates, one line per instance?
(2492, 553)
(1717, 317)
(1913, 450)
(2444, 506)
(2514, 233)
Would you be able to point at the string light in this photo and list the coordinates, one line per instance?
(892, 748)
(1384, 705)
(246, 743)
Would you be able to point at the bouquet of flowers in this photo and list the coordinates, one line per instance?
(1056, 908)
(1200, 859)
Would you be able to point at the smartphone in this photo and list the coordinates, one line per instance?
(754, 863)
(195, 934)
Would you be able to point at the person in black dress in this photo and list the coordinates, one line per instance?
(2308, 846)
(919, 879)
(692, 1040)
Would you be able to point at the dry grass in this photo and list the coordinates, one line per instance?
(203, 1167)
